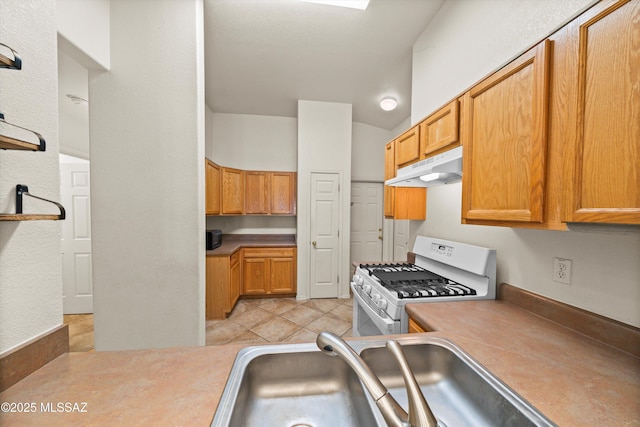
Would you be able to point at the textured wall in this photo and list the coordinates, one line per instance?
(30, 269)
(147, 173)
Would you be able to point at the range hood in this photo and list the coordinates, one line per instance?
(440, 169)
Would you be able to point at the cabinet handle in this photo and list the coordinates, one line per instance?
(314, 243)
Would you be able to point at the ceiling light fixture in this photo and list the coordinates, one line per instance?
(77, 99)
(353, 4)
(388, 104)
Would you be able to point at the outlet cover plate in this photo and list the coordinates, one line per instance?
(561, 270)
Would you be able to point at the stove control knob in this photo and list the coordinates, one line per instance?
(357, 280)
(375, 298)
(382, 303)
(367, 288)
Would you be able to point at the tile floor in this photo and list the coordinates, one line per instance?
(252, 322)
(261, 321)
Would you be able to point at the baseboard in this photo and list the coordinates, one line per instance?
(616, 334)
(20, 362)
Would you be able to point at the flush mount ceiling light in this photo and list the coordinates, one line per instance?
(353, 4)
(77, 99)
(388, 104)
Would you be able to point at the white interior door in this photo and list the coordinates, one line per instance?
(366, 222)
(76, 238)
(325, 232)
(400, 240)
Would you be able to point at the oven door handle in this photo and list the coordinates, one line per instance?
(384, 324)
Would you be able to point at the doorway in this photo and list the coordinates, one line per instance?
(366, 222)
(77, 285)
(325, 235)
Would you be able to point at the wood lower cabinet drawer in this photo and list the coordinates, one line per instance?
(268, 252)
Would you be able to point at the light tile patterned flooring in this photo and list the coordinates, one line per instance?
(252, 322)
(262, 321)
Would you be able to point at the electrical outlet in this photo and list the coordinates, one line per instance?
(562, 270)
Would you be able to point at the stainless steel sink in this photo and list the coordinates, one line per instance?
(459, 391)
(297, 385)
(292, 385)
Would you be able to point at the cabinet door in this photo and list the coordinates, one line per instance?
(410, 203)
(605, 154)
(283, 193)
(255, 276)
(414, 328)
(439, 131)
(283, 275)
(217, 287)
(389, 161)
(389, 201)
(407, 147)
(389, 172)
(235, 278)
(232, 191)
(256, 192)
(505, 139)
(212, 197)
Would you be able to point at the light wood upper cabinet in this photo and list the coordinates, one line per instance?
(407, 147)
(440, 130)
(256, 192)
(604, 154)
(410, 203)
(283, 193)
(505, 141)
(232, 191)
(401, 202)
(270, 193)
(212, 188)
(389, 172)
(389, 161)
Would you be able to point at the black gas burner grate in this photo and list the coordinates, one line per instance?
(411, 281)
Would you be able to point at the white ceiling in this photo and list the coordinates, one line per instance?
(261, 56)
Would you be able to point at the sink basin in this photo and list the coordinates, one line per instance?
(459, 391)
(292, 385)
(297, 385)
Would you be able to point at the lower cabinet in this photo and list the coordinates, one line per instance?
(268, 271)
(414, 328)
(223, 284)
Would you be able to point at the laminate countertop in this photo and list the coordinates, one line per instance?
(574, 380)
(232, 242)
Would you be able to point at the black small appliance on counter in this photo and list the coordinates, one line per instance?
(214, 239)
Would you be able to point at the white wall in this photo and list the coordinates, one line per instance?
(73, 118)
(147, 173)
(367, 152)
(324, 145)
(30, 269)
(253, 142)
(473, 37)
(83, 31)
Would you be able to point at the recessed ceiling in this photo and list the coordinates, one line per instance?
(262, 56)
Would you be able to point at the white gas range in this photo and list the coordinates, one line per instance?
(443, 271)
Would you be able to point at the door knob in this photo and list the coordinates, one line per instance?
(314, 243)
(379, 237)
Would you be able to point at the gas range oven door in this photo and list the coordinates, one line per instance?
(368, 319)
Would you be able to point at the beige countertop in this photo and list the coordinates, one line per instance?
(233, 242)
(572, 379)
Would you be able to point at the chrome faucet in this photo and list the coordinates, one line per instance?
(420, 414)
